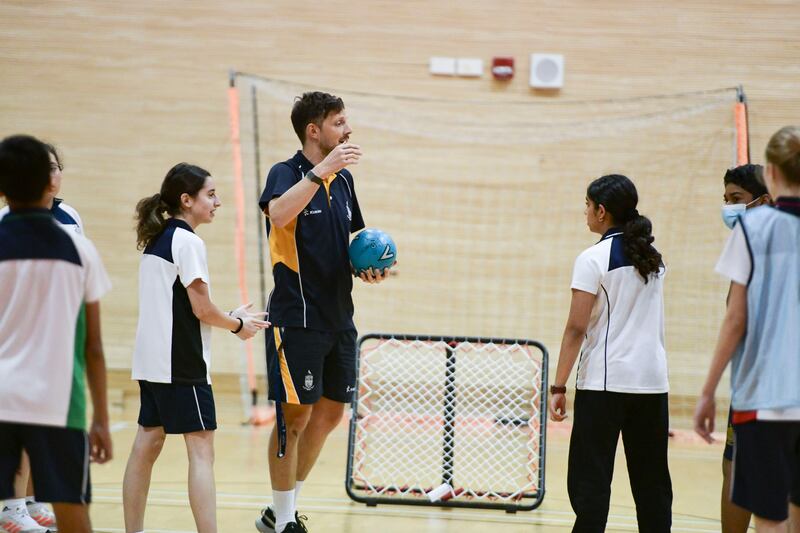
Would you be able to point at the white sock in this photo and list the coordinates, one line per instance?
(283, 505)
(17, 503)
(297, 486)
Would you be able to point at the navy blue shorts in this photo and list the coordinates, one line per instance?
(766, 467)
(305, 364)
(727, 453)
(59, 461)
(178, 408)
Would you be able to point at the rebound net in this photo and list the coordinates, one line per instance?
(449, 421)
(485, 201)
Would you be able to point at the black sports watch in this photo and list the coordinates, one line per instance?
(313, 177)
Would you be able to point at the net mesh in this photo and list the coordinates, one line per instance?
(465, 413)
(485, 200)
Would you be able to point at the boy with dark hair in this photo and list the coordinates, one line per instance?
(759, 336)
(744, 189)
(51, 281)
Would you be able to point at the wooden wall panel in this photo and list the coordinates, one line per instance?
(126, 89)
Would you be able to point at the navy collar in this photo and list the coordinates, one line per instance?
(56, 203)
(612, 232)
(178, 223)
(788, 204)
(303, 162)
(28, 212)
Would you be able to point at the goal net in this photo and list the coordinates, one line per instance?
(448, 421)
(485, 201)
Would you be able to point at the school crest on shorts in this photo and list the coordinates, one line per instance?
(309, 381)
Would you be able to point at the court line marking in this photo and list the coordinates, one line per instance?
(149, 529)
(500, 519)
(263, 499)
(540, 517)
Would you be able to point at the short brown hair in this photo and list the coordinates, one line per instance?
(313, 107)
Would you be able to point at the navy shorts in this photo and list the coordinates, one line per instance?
(305, 364)
(727, 453)
(59, 461)
(766, 467)
(178, 408)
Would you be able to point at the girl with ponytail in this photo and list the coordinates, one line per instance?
(616, 324)
(172, 357)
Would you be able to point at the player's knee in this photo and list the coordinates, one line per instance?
(150, 449)
(201, 454)
(296, 422)
(330, 419)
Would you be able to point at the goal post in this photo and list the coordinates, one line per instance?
(448, 421)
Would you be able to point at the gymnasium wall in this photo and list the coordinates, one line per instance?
(127, 89)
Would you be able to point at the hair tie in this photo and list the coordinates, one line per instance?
(633, 214)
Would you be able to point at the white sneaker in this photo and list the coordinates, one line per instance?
(18, 520)
(43, 515)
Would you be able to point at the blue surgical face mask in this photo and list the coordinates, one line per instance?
(730, 213)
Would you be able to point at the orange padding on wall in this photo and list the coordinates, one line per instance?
(239, 241)
(740, 120)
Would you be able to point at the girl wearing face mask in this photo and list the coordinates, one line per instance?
(744, 189)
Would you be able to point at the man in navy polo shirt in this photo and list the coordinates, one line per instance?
(311, 209)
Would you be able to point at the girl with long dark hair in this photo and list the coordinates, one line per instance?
(616, 325)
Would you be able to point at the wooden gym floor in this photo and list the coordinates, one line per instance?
(243, 487)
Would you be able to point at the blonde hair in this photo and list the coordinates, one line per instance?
(783, 151)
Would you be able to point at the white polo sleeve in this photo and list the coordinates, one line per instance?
(189, 254)
(735, 262)
(97, 281)
(587, 272)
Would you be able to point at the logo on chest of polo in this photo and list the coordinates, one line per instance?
(309, 381)
(307, 212)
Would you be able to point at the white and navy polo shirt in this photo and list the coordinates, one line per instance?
(66, 215)
(172, 345)
(47, 274)
(310, 259)
(624, 346)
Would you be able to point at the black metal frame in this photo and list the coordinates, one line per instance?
(448, 437)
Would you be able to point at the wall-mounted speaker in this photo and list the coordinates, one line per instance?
(547, 71)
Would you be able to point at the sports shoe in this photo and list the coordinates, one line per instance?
(294, 527)
(266, 522)
(43, 515)
(18, 520)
